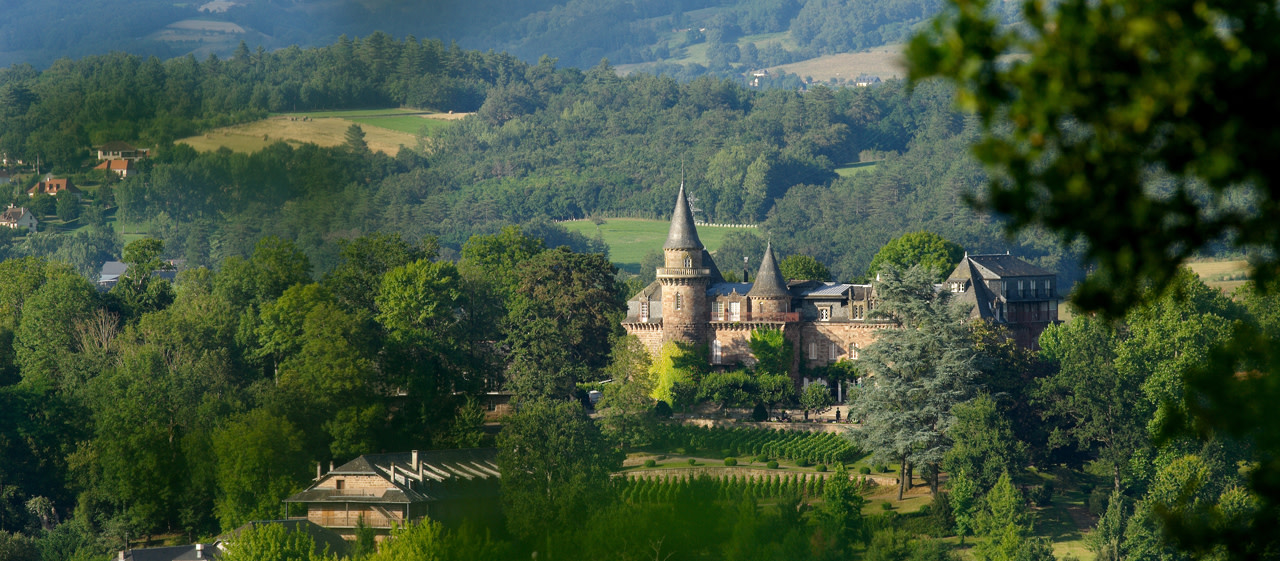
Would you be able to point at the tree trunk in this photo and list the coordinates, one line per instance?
(908, 474)
(1115, 474)
(933, 479)
(903, 477)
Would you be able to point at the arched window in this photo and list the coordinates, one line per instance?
(688, 261)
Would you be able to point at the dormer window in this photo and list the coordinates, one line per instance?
(339, 484)
(644, 310)
(824, 313)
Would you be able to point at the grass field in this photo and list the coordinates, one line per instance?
(1225, 275)
(385, 130)
(629, 239)
(855, 168)
(885, 62)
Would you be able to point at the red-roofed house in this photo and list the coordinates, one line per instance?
(123, 168)
(54, 187)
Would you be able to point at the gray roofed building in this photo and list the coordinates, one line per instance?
(1006, 290)
(388, 489)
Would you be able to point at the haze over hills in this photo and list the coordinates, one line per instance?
(685, 38)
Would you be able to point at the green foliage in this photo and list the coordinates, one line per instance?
(921, 372)
(676, 365)
(730, 462)
(762, 444)
(272, 542)
(983, 443)
(556, 466)
(816, 397)
(260, 462)
(926, 249)
(772, 351)
(803, 267)
(17, 547)
(841, 513)
(963, 496)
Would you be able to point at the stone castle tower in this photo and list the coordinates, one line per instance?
(684, 278)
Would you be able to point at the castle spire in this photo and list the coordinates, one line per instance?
(769, 282)
(683, 235)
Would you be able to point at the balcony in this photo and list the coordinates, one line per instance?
(746, 316)
(682, 272)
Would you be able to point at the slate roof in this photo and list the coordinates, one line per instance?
(998, 266)
(12, 214)
(769, 283)
(172, 553)
(683, 234)
(727, 288)
(117, 146)
(824, 290)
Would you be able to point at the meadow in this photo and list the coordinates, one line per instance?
(885, 62)
(385, 130)
(629, 239)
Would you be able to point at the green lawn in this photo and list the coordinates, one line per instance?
(412, 124)
(347, 113)
(629, 239)
(855, 168)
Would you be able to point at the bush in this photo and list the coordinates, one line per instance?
(1098, 500)
(1041, 495)
(759, 413)
(730, 462)
(773, 464)
(662, 410)
(650, 463)
(881, 468)
(693, 462)
(762, 458)
(804, 462)
(822, 467)
(886, 505)
(864, 470)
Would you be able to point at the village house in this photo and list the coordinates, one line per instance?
(122, 168)
(19, 217)
(826, 322)
(117, 150)
(54, 187)
(383, 490)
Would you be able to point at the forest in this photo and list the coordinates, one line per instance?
(546, 143)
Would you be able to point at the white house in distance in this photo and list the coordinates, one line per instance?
(117, 150)
(19, 217)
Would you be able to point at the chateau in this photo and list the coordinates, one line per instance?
(691, 302)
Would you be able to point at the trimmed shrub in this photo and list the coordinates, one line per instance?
(773, 464)
(804, 462)
(822, 467)
(864, 470)
(650, 463)
(759, 414)
(882, 468)
(662, 410)
(762, 458)
(731, 462)
(693, 462)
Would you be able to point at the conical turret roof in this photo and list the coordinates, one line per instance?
(683, 234)
(769, 282)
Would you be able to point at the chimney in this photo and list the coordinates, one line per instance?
(121, 555)
(414, 461)
(199, 551)
(318, 474)
(330, 465)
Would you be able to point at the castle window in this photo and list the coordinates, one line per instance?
(679, 301)
(858, 311)
(813, 351)
(834, 349)
(716, 356)
(1022, 290)
(853, 351)
(717, 311)
(339, 484)
(688, 262)
(735, 311)
(644, 310)
(824, 313)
